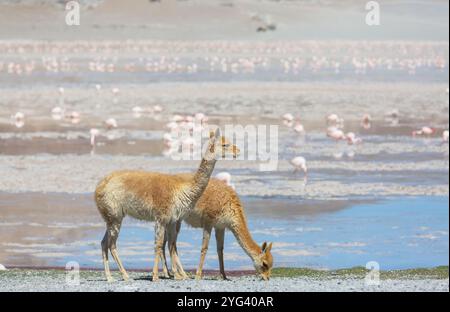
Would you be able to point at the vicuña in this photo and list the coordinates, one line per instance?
(151, 196)
(219, 208)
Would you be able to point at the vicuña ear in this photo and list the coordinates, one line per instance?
(264, 246)
(269, 248)
(214, 134)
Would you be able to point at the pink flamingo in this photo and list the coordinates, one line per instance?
(226, 178)
(74, 117)
(299, 128)
(332, 119)
(94, 134)
(19, 119)
(57, 113)
(352, 139)
(157, 109)
(137, 111)
(366, 122)
(336, 134)
(299, 164)
(110, 123)
(288, 120)
(427, 131)
(445, 136)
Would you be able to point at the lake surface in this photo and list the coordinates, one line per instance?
(398, 233)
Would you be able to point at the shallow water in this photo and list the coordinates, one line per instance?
(398, 232)
(385, 200)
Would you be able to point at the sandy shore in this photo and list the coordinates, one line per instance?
(55, 281)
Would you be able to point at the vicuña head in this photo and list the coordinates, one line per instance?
(264, 262)
(219, 147)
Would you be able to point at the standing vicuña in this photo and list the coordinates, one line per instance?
(220, 208)
(158, 197)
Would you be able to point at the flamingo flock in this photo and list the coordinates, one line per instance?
(359, 58)
(335, 131)
(226, 58)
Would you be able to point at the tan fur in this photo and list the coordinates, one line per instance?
(220, 208)
(158, 197)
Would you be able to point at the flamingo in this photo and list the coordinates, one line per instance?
(172, 126)
(169, 142)
(115, 91)
(393, 116)
(336, 134)
(288, 117)
(332, 119)
(445, 136)
(157, 109)
(351, 154)
(74, 117)
(188, 144)
(226, 178)
(201, 118)
(177, 118)
(352, 139)
(427, 131)
(19, 119)
(137, 111)
(299, 164)
(366, 122)
(94, 134)
(299, 128)
(57, 113)
(288, 120)
(110, 123)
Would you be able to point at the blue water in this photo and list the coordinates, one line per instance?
(398, 233)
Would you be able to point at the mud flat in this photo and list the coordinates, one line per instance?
(80, 174)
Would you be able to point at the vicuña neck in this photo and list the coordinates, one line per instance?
(201, 178)
(244, 238)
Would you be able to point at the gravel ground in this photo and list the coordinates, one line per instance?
(51, 281)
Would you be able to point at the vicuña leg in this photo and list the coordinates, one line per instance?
(166, 272)
(177, 259)
(113, 234)
(159, 242)
(177, 267)
(105, 253)
(205, 244)
(220, 238)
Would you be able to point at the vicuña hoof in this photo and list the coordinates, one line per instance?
(155, 278)
(180, 277)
